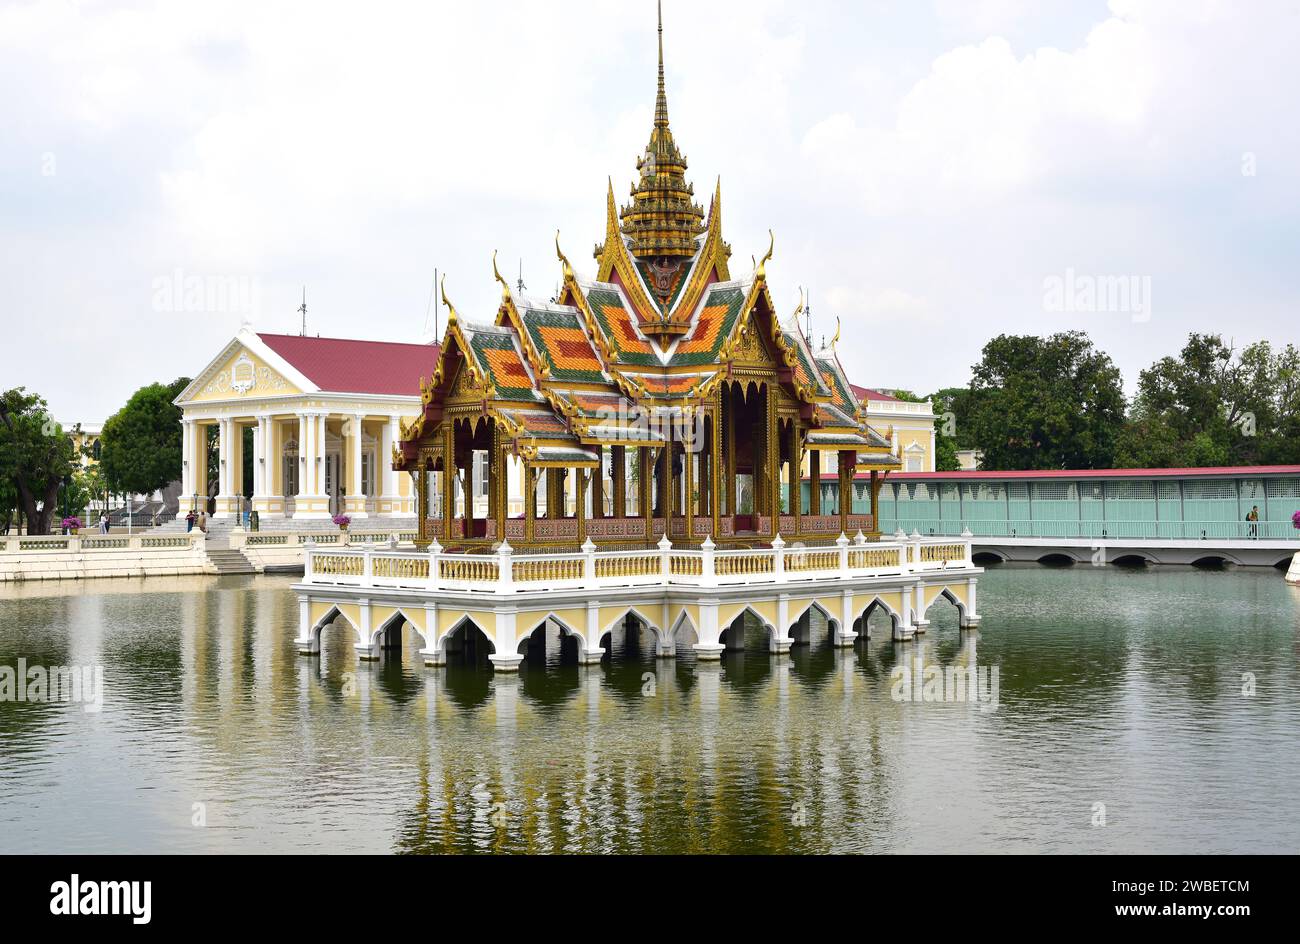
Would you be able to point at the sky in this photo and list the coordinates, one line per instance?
(935, 174)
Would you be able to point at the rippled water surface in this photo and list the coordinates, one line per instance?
(1122, 688)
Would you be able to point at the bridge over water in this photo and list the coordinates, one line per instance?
(1172, 516)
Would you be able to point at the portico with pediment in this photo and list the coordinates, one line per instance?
(300, 428)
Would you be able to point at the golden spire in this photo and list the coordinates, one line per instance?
(661, 99)
(662, 221)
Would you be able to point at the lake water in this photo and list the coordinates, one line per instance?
(1122, 696)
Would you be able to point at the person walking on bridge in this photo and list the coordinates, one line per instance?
(1252, 522)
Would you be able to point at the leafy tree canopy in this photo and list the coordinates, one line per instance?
(1212, 405)
(141, 443)
(36, 456)
(1045, 403)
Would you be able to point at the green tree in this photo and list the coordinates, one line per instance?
(8, 501)
(36, 456)
(140, 449)
(1212, 405)
(1044, 403)
(950, 421)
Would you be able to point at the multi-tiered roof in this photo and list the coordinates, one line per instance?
(655, 332)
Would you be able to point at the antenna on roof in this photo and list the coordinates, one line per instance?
(520, 284)
(302, 310)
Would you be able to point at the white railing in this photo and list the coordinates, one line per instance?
(904, 407)
(92, 541)
(505, 572)
(256, 540)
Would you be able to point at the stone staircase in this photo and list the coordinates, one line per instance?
(229, 561)
(221, 555)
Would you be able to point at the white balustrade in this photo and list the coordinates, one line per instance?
(505, 572)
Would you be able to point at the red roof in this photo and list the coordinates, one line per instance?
(341, 365)
(866, 393)
(1229, 470)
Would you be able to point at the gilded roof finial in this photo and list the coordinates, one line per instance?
(663, 221)
(568, 269)
(505, 286)
(761, 271)
(836, 339)
(661, 99)
(451, 309)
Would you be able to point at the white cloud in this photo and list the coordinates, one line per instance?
(985, 123)
(923, 173)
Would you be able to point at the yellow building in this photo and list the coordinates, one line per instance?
(324, 414)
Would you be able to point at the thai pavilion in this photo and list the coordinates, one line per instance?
(665, 396)
(625, 461)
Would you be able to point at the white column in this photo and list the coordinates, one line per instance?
(319, 442)
(187, 462)
(271, 458)
(847, 634)
(257, 456)
(224, 446)
(303, 453)
(301, 503)
(388, 491)
(356, 498)
(309, 457)
(263, 471)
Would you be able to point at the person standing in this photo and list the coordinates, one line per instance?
(1252, 522)
(189, 521)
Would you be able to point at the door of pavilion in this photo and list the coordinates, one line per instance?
(747, 479)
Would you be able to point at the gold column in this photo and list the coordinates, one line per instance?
(876, 482)
(814, 482)
(772, 450)
(645, 496)
(580, 489)
(500, 482)
(671, 500)
(554, 508)
(845, 466)
(729, 422)
(422, 503)
(530, 502)
(448, 478)
(715, 442)
(796, 476)
(688, 485)
(706, 510)
(598, 485)
(618, 472)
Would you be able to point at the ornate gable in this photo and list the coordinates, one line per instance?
(240, 374)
